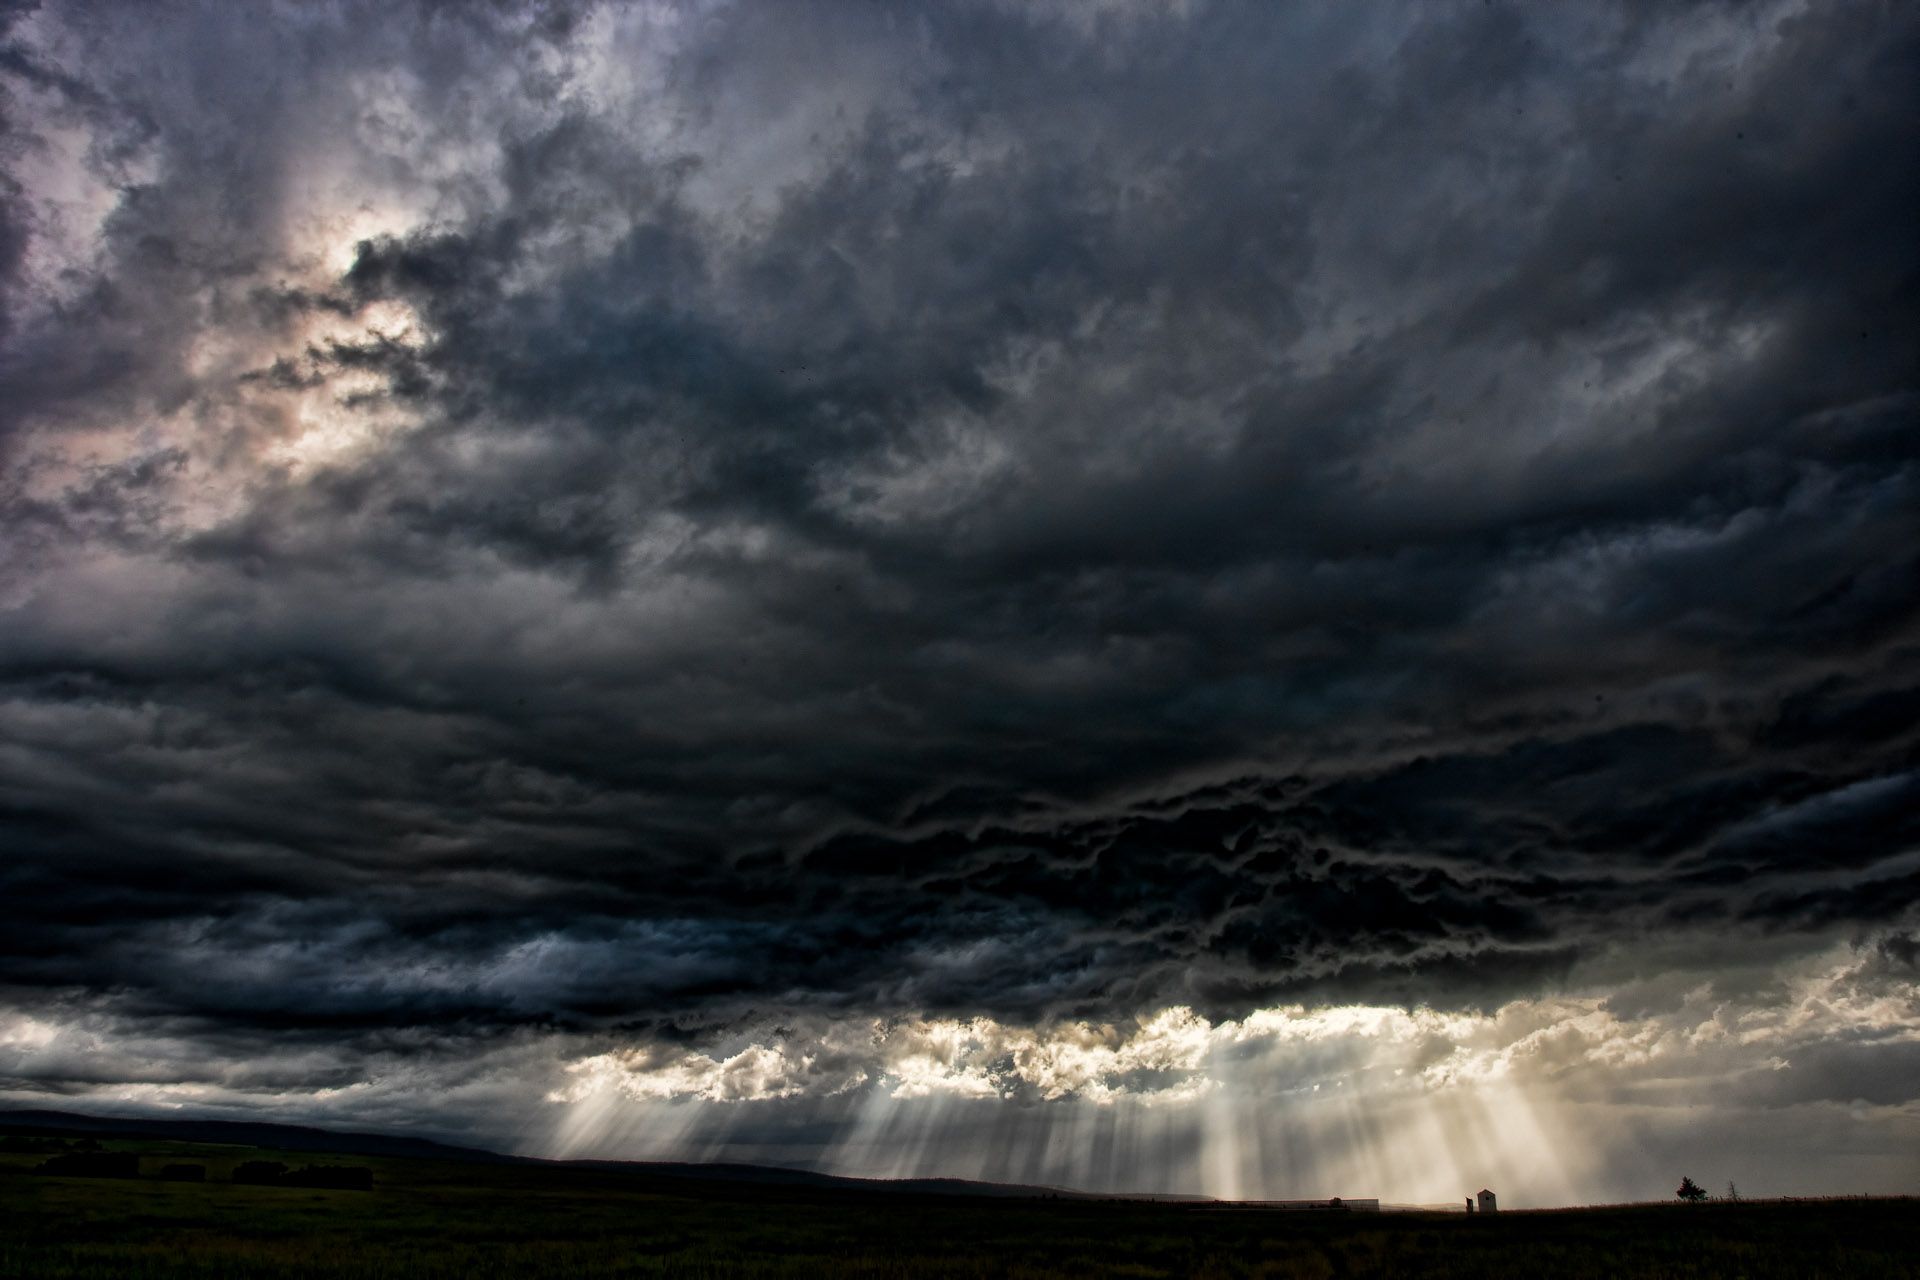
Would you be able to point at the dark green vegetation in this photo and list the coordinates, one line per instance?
(463, 1219)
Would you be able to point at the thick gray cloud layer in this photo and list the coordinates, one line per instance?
(648, 521)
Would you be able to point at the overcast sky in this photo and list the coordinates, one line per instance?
(1270, 599)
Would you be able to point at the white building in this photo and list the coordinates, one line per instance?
(1487, 1203)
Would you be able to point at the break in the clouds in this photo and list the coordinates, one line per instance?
(983, 588)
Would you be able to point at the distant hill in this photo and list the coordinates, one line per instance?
(771, 1175)
(285, 1137)
(292, 1137)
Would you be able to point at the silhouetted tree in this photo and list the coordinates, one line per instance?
(1733, 1192)
(260, 1172)
(1690, 1191)
(92, 1164)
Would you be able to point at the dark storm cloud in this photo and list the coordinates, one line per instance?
(971, 510)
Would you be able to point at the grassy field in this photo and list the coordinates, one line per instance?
(434, 1219)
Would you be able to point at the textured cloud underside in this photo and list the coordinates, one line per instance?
(590, 532)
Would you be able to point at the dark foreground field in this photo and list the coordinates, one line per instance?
(452, 1219)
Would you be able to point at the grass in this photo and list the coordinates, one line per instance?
(440, 1219)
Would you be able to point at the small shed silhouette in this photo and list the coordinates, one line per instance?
(1487, 1202)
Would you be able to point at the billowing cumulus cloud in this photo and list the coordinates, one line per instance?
(753, 558)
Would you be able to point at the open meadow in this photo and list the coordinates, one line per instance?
(452, 1219)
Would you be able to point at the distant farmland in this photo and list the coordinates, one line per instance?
(438, 1218)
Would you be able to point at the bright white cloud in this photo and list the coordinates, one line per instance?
(1177, 1056)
